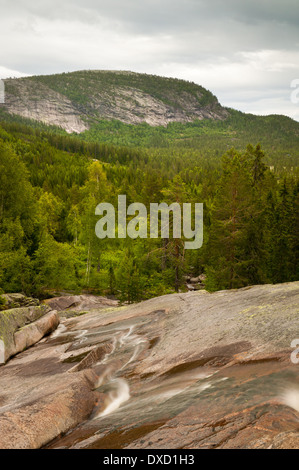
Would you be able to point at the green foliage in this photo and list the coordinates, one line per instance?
(55, 265)
(278, 136)
(50, 184)
(232, 217)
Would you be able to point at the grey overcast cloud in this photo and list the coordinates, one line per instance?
(245, 51)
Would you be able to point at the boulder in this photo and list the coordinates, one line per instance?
(57, 406)
(190, 287)
(77, 303)
(13, 319)
(34, 332)
(16, 300)
(198, 279)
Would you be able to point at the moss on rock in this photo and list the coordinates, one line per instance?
(15, 318)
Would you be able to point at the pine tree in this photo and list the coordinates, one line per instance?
(230, 219)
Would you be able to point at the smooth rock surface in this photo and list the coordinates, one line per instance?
(193, 370)
(79, 303)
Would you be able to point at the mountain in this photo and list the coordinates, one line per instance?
(138, 110)
(75, 101)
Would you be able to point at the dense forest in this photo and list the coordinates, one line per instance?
(51, 183)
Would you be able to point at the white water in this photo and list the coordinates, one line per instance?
(120, 392)
(155, 393)
(114, 343)
(163, 396)
(60, 330)
(291, 398)
(134, 341)
(116, 397)
(123, 338)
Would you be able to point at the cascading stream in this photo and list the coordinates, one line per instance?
(120, 391)
(126, 347)
(116, 397)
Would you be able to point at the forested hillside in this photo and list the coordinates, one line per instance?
(50, 184)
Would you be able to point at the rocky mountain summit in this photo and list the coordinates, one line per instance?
(75, 100)
(192, 370)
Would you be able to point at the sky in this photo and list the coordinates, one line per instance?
(245, 51)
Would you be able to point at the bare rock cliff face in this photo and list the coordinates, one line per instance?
(134, 107)
(33, 100)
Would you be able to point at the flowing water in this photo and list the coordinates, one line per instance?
(132, 405)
